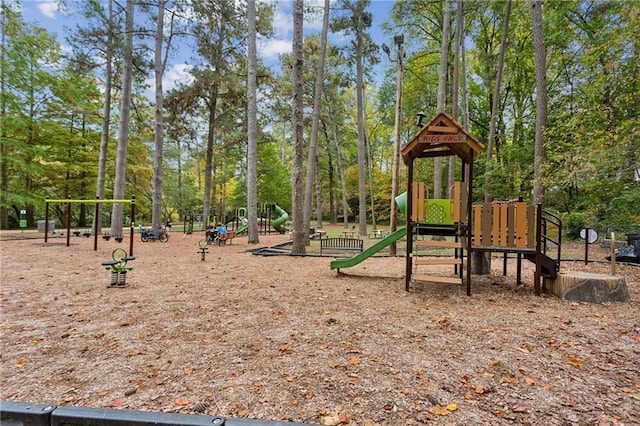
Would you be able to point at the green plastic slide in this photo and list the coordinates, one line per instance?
(352, 261)
(278, 224)
(243, 227)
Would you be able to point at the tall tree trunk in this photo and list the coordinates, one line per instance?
(442, 92)
(208, 160)
(318, 197)
(252, 128)
(540, 58)
(451, 168)
(343, 183)
(156, 205)
(317, 97)
(362, 162)
(397, 130)
(123, 128)
(495, 105)
(106, 120)
(371, 188)
(4, 166)
(297, 204)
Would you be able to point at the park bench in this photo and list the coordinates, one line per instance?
(341, 244)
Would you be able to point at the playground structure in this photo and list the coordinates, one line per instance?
(511, 227)
(118, 267)
(269, 216)
(97, 203)
(459, 228)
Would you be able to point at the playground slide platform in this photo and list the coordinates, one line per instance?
(386, 241)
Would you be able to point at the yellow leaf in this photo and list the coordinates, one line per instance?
(440, 410)
(452, 407)
(575, 361)
(21, 363)
(182, 401)
(330, 420)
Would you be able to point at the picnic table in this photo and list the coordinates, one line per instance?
(377, 234)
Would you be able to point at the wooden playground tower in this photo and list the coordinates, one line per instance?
(456, 225)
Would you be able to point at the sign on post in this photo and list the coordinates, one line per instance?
(442, 138)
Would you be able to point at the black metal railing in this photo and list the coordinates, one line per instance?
(552, 236)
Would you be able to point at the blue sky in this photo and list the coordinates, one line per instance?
(46, 14)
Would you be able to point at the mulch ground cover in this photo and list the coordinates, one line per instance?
(286, 338)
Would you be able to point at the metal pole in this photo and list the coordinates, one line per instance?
(586, 246)
(133, 215)
(46, 219)
(68, 220)
(95, 224)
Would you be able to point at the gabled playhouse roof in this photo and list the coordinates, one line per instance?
(442, 137)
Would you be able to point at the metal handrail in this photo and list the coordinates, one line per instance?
(552, 219)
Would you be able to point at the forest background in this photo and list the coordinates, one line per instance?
(65, 130)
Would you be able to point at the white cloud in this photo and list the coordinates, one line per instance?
(283, 20)
(48, 8)
(177, 75)
(173, 77)
(271, 48)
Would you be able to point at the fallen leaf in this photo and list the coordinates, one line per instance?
(330, 420)
(439, 410)
(511, 380)
(188, 371)
(530, 380)
(452, 406)
(574, 361)
(116, 403)
(21, 363)
(480, 390)
(354, 360)
(182, 401)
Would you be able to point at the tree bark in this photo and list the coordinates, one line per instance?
(496, 104)
(156, 204)
(540, 58)
(312, 158)
(362, 161)
(442, 92)
(298, 131)
(252, 128)
(123, 133)
(106, 120)
(395, 165)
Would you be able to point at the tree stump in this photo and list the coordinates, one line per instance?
(587, 287)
